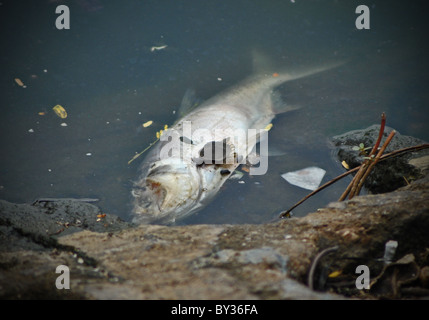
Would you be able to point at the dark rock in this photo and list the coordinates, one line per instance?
(387, 175)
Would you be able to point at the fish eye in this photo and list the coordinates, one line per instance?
(224, 172)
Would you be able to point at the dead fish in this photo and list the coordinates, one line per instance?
(194, 158)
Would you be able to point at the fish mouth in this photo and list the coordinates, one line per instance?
(148, 201)
(166, 193)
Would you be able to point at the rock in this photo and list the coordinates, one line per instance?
(111, 259)
(387, 175)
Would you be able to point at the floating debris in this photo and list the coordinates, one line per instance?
(153, 49)
(308, 178)
(31, 130)
(389, 251)
(345, 165)
(160, 132)
(147, 124)
(20, 83)
(245, 169)
(63, 124)
(60, 111)
(335, 274)
(268, 127)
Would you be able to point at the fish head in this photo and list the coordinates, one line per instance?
(170, 190)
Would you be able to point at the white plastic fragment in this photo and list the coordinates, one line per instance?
(308, 178)
(389, 251)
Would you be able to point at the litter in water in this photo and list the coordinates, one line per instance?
(308, 178)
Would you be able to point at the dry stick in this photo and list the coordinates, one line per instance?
(353, 185)
(382, 158)
(380, 134)
(351, 188)
(310, 278)
(359, 178)
(374, 161)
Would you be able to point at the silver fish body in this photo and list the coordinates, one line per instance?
(195, 157)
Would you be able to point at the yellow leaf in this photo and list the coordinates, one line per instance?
(268, 127)
(345, 165)
(60, 111)
(19, 82)
(147, 124)
(335, 274)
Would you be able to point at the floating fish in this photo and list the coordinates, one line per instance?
(194, 158)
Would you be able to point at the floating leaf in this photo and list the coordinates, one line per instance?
(345, 165)
(60, 111)
(335, 274)
(19, 82)
(147, 124)
(268, 127)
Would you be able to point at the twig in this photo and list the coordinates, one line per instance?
(353, 186)
(380, 134)
(139, 154)
(315, 262)
(374, 161)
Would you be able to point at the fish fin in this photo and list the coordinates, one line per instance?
(279, 105)
(305, 72)
(189, 102)
(262, 65)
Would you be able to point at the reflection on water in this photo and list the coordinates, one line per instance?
(105, 75)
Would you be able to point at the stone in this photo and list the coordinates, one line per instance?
(112, 259)
(387, 175)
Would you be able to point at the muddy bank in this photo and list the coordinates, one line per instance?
(111, 259)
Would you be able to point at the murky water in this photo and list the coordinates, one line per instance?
(104, 74)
